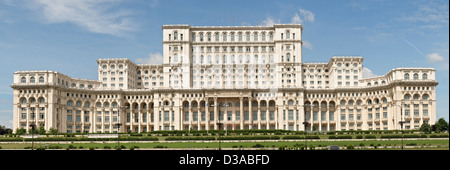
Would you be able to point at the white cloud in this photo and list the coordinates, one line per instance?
(367, 73)
(95, 16)
(305, 16)
(434, 58)
(153, 58)
(270, 21)
(432, 14)
(296, 19)
(153, 3)
(307, 45)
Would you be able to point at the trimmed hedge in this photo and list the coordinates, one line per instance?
(128, 138)
(439, 136)
(185, 138)
(250, 138)
(404, 136)
(341, 137)
(370, 137)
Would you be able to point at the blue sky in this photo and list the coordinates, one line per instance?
(70, 35)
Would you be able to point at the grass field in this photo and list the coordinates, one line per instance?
(367, 144)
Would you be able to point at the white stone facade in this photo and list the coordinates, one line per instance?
(246, 77)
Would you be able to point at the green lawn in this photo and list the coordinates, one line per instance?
(442, 144)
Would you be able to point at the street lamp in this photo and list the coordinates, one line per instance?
(221, 124)
(401, 122)
(32, 135)
(118, 124)
(306, 123)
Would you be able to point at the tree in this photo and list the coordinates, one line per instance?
(441, 125)
(425, 128)
(53, 131)
(41, 130)
(20, 131)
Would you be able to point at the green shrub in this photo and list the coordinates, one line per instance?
(185, 138)
(370, 137)
(340, 137)
(258, 146)
(350, 147)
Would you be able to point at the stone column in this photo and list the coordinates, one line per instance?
(241, 109)
(216, 113)
(250, 113)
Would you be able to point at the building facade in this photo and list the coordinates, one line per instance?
(245, 77)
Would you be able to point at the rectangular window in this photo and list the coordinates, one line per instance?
(186, 116)
(263, 115)
(166, 116)
(255, 115)
(291, 115)
(211, 116)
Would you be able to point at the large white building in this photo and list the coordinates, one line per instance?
(246, 77)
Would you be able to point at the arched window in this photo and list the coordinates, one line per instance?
(73, 85)
(69, 103)
(224, 59)
(407, 97)
(32, 100)
(87, 104)
(416, 97)
(406, 76)
(175, 35)
(425, 97)
(224, 37)
(288, 34)
(288, 57)
(201, 36)
(232, 36)
(255, 36)
(78, 104)
(175, 58)
(24, 101)
(350, 103)
(208, 36)
(342, 102)
(32, 80)
(193, 36)
(416, 76)
(41, 79)
(424, 76)
(240, 36)
(217, 59)
(42, 100)
(216, 36)
(23, 80)
(263, 36)
(290, 102)
(247, 36)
